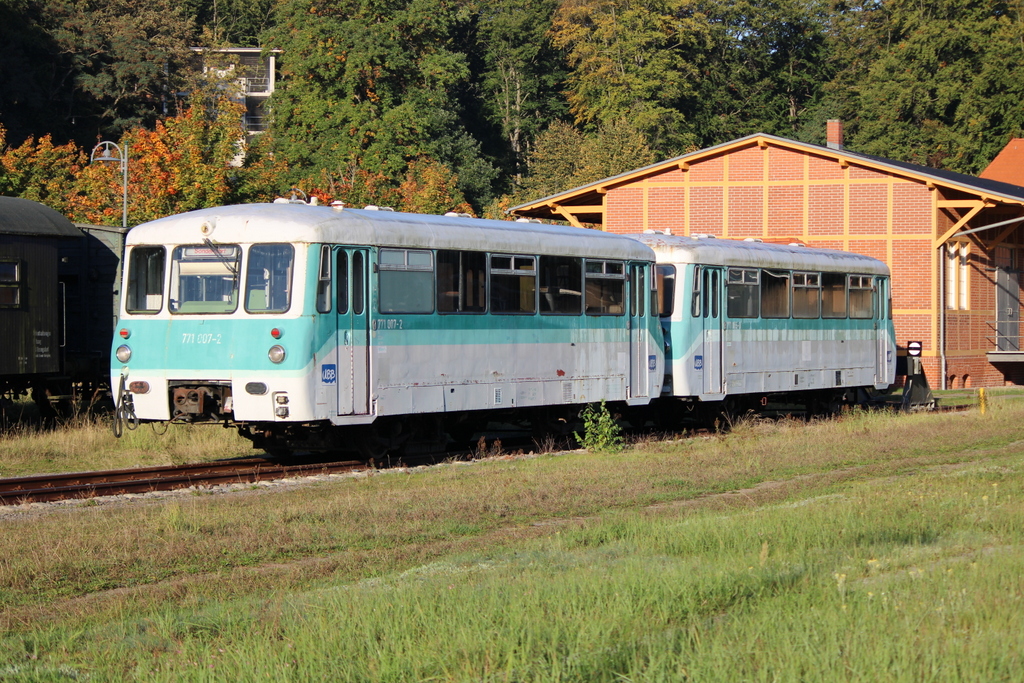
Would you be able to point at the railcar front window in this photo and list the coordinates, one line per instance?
(406, 281)
(606, 287)
(204, 278)
(742, 293)
(861, 299)
(145, 290)
(10, 284)
(268, 278)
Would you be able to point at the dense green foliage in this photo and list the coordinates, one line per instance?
(451, 103)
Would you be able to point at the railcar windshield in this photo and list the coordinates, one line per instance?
(268, 277)
(204, 278)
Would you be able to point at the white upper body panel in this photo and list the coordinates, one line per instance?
(302, 223)
(712, 251)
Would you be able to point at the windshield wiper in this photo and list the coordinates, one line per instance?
(223, 259)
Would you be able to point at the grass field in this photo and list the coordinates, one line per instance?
(876, 547)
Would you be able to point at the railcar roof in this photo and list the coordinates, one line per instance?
(25, 217)
(725, 252)
(324, 224)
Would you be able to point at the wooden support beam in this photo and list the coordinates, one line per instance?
(959, 224)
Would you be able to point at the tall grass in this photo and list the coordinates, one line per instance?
(876, 547)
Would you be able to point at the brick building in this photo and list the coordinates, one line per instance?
(954, 242)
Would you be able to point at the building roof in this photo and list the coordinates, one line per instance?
(585, 202)
(1008, 166)
(24, 217)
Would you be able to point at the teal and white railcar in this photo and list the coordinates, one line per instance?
(316, 327)
(749, 320)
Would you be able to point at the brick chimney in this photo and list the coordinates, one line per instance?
(834, 134)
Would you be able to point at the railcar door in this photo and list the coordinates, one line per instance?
(882, 359)
(353, 381)
(638, 374)
(712, 315)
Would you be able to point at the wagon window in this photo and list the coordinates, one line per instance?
(461, 281)
(774, 294)
(806, 295)
(268, 278)
(10, 284)
(742, 293)
(666, 276)
(861, 298)
(606, 287)
(513, 284)
(833, 295)
(561, 285)
(406, 281)
(145, 290)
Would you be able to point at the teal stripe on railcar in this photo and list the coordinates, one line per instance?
(216, 345)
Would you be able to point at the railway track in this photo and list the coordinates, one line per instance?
(51, 487)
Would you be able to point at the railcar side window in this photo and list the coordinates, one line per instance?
(833, 295)
(10, 284)
(774, 294)
(145, 290)
(606, 287)
(638, 289)
(806, 295)
(561, 285)
(513, 284)
(268, 278)
(461, 281)
(742, 293)
(699, 276)
(406, 281)
(323, 281)
(666, 276)
(861, 298)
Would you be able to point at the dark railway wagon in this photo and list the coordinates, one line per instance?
(57, 301)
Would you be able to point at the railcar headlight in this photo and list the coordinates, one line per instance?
(276, 353)
(123, 353)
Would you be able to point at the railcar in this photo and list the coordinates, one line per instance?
(746, 322)
(324, 327)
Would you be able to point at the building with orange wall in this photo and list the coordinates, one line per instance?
(954, 242)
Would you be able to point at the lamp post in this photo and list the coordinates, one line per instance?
(104, 151)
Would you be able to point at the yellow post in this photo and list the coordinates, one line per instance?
(982, 403)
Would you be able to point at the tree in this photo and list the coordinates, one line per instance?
(40, 171)
(946, 93)
(521, 72)
(369, 86)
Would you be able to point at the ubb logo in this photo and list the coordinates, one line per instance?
(698, 362)
(329, 374)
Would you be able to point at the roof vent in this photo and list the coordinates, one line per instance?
(529, 220)
(374, 207)
(752, 239)
(456, 214)
(701, 236)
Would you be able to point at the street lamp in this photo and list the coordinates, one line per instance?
(105, 151)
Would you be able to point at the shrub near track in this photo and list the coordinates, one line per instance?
(776, 552)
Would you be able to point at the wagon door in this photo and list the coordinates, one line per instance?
(711, 313)
(353, 331)
(638, 374)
